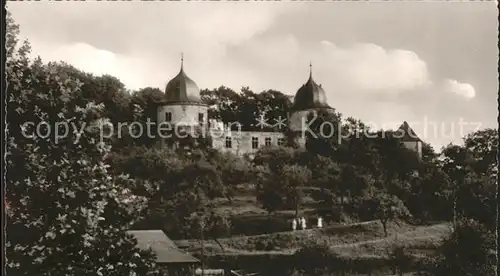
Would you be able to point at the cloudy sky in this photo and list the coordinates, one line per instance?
(433, 64)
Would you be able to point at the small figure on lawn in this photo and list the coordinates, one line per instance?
(320, 222)
(303, 223)
(294, 224)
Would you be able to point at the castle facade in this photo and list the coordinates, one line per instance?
(184, 107)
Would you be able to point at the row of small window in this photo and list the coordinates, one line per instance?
(168, 117)
(255, 142)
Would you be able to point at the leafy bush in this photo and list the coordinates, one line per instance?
(315, 259)
(469, 251)
(400, 260)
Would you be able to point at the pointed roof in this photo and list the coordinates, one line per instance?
(164, 248)
(310, 95)
(406, 133)
(182, 89)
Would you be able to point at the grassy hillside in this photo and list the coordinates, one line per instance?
(361, 239)
(260, 240)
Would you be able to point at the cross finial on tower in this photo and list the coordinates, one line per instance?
(310, 69)
(182, 60)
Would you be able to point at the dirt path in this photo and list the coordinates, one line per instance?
(193, 245)
(419, 234)
(184, 243)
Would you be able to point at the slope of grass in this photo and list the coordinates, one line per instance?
(418, 242)
(365, 240)
(349, 240)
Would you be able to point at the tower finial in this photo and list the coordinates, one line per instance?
(182, 60)
(310, 69)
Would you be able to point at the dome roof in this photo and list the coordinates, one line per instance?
(182, 89)
(310, 95)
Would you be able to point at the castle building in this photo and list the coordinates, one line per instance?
(184, 109)
(409, 138)
(182, 104)
(309, 99)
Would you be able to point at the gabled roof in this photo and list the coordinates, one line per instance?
(406, 134)
(165, 249)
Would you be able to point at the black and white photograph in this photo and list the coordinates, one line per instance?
(250, 138)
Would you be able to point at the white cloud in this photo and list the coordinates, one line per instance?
(371, 68)
(232, 23)
(280, 62)
(230, 44)
(134, 72)
(202, 31)
(85, 57)
(463, 89)
(208, 34)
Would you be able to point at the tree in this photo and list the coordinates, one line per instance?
(470, 250)
(358, 150)
(323, 133)
(208, 224)
(456, 164)
(248, 109)
(323, 171)
(184, 182)
(429, 155)
(430, 196)
(67, 214)
(284, 187)
(275, 105)
(147, 100)
(234, 170)
(270, 194)
(244, 108)
(472, 169)
(223, 104)
(293, 177)
(383, 207)
(154, 164)
(400, 260)
(483, 148)
(354, 182)
(315, 259)
(277, 157)
(105, 89)
(394, 160)
(476, 199)
(189, 188)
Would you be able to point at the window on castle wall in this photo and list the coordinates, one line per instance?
(168, 116)
(255, 142)
(281, 141)
(229, 143)
(201, 117)
(267, 141)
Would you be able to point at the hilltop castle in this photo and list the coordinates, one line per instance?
(183, 106)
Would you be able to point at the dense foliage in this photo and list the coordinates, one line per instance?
(67, 214)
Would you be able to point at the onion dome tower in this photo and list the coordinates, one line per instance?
(182, 89)
(310, 98)
(182, 104)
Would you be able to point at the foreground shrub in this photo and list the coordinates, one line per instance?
(469, 251)
(315, 259)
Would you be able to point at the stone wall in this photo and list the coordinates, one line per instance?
(298, 119)
(415, 146)
(182, 114)
(242, 142)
